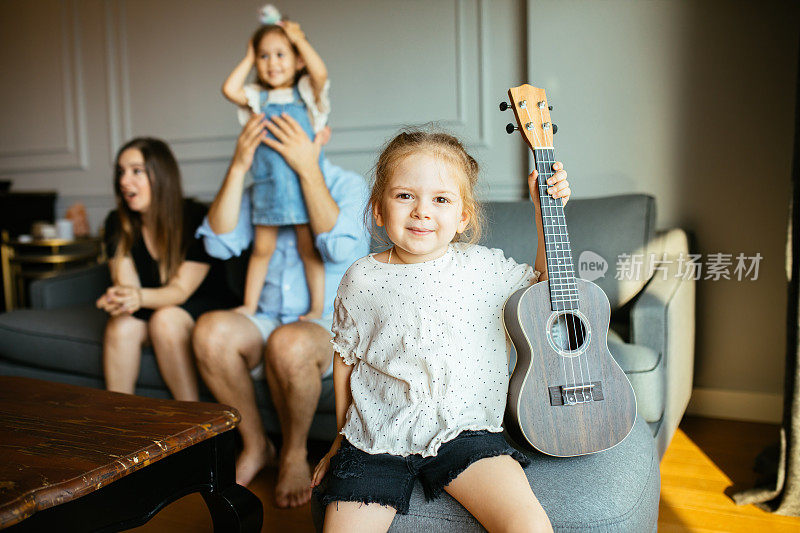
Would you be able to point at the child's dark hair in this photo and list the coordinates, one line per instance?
(441, 145)
(262, 32)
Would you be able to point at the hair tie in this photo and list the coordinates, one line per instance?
(269, 14)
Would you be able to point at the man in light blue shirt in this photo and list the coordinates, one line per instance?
(293, 355)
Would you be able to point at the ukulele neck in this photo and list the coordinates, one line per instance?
(563, 290)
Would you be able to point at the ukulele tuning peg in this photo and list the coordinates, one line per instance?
(555, 129)
(549, 108)
(510, 128)
(504, 106)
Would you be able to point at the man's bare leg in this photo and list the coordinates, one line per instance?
(227, 345)
(297, 354)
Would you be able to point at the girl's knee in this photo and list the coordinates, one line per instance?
(264, 242)
(305, 243)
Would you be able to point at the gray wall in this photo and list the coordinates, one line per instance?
(691, 102)
(87, 75)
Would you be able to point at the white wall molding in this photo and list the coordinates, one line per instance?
(736, 405)
(472, 62)
(73, 153)
(472, 37)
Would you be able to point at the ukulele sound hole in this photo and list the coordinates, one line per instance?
(568, 333)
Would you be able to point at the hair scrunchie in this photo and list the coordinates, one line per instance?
(269, 14)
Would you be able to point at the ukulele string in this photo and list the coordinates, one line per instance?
(565, 288)
(546, 204)
(550, 209)
(546, 209)
(566, 261)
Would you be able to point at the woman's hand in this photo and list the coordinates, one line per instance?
(129, 298)
(557, 184)
(324, 463)
(292, 142)
(293, 31)
(120, 300)
(251, 136)
(108, 303)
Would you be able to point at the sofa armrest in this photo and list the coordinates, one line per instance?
(663, 318)
(672, 241)
(79, 286)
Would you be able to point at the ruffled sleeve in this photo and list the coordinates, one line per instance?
(345, 334)
(516, 275)
(252, 93)
(319, 109)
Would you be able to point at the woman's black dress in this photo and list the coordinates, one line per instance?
(213, 293)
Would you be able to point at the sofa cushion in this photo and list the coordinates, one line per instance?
(644, 370)
(67, 338)
(612, 491)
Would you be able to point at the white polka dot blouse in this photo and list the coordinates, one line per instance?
(428, 345)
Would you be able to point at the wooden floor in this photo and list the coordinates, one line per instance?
(706, 462)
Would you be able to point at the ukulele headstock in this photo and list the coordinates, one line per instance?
(532, 113)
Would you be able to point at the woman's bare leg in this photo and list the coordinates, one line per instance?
(264, 242)
(122, 352)
(171, 334)
(315, 271)
(497, 493)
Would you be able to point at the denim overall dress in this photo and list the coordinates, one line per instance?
(277, 198)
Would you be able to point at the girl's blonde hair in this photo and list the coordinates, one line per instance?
(443, 146)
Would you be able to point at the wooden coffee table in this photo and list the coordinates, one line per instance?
(80, 459)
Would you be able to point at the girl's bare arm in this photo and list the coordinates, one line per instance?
(233, 87)
(317, 70)
(341, 387)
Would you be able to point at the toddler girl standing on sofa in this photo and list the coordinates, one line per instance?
(291, 80)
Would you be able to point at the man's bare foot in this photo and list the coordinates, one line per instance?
(294, 481)
(251, 461)
(312, 314)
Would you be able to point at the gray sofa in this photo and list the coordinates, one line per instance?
(651, 337)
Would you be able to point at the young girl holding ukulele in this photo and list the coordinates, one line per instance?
(292, 80)
(421, 365)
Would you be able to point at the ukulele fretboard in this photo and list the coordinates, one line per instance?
(563, 291)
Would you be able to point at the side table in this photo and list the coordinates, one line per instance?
(23, 261)
(80, 459)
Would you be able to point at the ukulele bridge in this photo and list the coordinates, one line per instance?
(575, 394)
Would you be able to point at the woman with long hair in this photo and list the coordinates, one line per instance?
(162, 278)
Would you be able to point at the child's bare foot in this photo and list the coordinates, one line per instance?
(245, 310)
(252, 460)
(311, 315)
(294, 481)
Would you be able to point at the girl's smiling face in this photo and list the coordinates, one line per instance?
(422, 208)
(134, 184)
(276, 62)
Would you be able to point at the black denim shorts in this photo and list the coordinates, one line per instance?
(358, 476)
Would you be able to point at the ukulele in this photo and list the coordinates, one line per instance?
(567, 395)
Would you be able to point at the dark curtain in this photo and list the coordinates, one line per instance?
(780, 465)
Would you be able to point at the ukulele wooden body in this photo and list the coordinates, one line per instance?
(567, 395)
